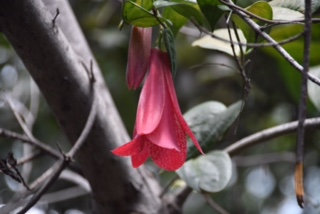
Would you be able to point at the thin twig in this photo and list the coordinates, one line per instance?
(252, 15)
(40, 145)
(29, 157)
(268, 134)
(213, 204)
(23, 120)
(61, 164)
(55, 17)
(276, 45)
(250, 45)
(303, 106)
(58, 167)
(19, 118)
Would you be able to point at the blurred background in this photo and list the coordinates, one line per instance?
(262, 180)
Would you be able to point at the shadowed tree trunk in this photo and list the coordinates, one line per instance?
(53, 53)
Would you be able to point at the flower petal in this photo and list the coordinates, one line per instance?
(132, 148)
(139, 159)
(138, 55)
(170, 159)
(152, 98)
(173, 96)
(165, 134)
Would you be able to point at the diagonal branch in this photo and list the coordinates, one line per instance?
(270, 133)
(269, 39)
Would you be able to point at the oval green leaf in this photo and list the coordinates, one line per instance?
(209, 173)
(209, 121)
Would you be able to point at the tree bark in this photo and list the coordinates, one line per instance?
(53, 53)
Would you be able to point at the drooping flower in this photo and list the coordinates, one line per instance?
(160, 129)
(138, 55)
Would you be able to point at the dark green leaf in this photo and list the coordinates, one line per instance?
(168, 39)
(137, 13)
(261, 9)
(211, 10)
(187, 9)
(177, 20)
(209, 173)
(209, 121)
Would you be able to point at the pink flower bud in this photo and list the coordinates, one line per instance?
(138, 56)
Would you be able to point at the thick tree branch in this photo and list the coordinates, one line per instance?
(53, 52)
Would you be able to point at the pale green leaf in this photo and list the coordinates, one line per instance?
(297, 5)
(314, 89)
(209, 42)
(209, 173)
(209, 121)
(282, 13)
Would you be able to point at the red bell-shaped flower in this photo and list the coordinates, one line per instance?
(160, 129)
(138, 55)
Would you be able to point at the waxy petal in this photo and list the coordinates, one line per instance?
(138, 56)
(165, 134)
(170, 159)
(152, 99)
(139, 159)
(132, 148)
(174, 100)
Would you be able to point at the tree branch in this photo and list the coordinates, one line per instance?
(53, 55)
(268, 134)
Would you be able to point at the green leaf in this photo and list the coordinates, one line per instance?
(209, 42)
(185, 8)
(168, 39)
(314, 89)
(209, 121)
(290, 76)
(137, 13)
(261, 9)
(211, 10)
(209, 173)
(177, 20)
(281, 13)
(297, 5)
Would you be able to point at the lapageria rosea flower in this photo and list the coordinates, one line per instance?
(138, 55)
(160, 129)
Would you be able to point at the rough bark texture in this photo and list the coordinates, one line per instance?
(53, 56)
